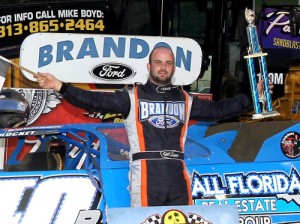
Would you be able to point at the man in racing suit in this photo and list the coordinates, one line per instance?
(156, 119)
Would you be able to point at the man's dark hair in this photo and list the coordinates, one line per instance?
(160, 46)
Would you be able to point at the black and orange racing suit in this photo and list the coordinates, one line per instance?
(156, 120)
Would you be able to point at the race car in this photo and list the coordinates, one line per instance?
(85, 168)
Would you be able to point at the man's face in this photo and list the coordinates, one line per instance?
(161, 66)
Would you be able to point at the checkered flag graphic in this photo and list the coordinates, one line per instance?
(154, 219)
(196, 219)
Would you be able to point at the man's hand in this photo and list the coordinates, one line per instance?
(48, 81)
(260, 87)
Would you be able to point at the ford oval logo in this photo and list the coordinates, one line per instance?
(112, 71)
(161, 122)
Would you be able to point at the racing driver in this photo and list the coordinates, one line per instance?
(156, 118)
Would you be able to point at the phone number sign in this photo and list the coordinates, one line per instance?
(17, 22)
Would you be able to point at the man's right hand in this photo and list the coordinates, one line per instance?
(48, 81)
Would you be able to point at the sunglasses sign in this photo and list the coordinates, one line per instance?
(275, 28)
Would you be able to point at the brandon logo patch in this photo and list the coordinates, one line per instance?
(112, 71)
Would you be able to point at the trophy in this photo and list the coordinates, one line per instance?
(262, 102)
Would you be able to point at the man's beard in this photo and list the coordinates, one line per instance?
(162, 80)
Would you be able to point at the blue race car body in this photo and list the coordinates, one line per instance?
(90, 172)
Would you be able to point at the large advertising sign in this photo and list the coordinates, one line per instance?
(113, 59)
(17, 22)
(266, 195)
(280, 42)
(277, 39)
(275, 27)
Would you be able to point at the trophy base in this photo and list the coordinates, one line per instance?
(265, 114)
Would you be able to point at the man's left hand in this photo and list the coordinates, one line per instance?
(260, 86)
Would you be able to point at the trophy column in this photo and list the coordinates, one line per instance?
(262, 103)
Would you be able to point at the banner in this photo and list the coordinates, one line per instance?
(106, 59)
(16, 23)
(275, 30)
(276, 38)
(175, 214)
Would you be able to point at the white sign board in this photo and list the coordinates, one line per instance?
(207, 214)
(107, 59)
